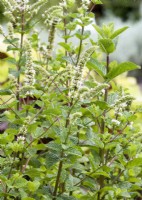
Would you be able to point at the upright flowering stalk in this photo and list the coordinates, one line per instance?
(29, 79)
(78, 79)
(51, 17)
(51, 39)
(10, 30)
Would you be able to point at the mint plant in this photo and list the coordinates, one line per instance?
(69, 136)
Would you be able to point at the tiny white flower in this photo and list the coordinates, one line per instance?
(63, 4)
(123, 105)
(131, 125)
(20, 138)
(92, 124)
(103, 91)
(119, 114)
(115, 122)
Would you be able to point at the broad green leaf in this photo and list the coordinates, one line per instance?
(88, 197)
(5, 92)
(107, 45)
(99, 30)
(108, 29)
(3, 194)
(67, 59)
(125, 194)
(33, 186)
(93, 143)
(102, 105)
(11, 60)
(70, 183)
(85, 35)
(33, 173)
(20, 182)
(54, 146)
(2, 161)
(118, 32)
(14, 72)
(121, 68)
(52, 111)
(66, 46)
(14, 40)
(97, 66)
(74, 151)
(111, 145)
(64, 197)
(52, 158)
(97, 1)
(135, 163)
(101, 173)
(39, 131)
(12, 48)
(107, 188)
(28, 198)
(89, 182)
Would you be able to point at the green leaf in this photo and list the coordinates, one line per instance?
(52, 158)
(14, 72)
(97, 66)
(74, 151)
(32, 173)
(107, 45)
(11, 48)
(39, 131)
(11, 60)
(52, 111)
(5, 92)
(99, 30)
(121, 68)
(89, 182)
(28, 198)
(97, 1)
(54, 146)
(85, 35)
(67, 59)
(101, 173)
(64, 197)
(20, 182)
(14, 40)
(70, 183)
(125, 194)
(33, 186)
(107, 188)
(136, 162)
(118, 32)
(102, 105)
(66, 46)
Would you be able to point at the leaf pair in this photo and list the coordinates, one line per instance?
(114, 72)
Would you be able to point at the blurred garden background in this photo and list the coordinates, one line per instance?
(122, 13)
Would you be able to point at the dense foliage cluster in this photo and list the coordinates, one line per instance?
(69, 135)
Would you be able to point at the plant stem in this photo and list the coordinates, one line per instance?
(62, 154)
(9, 175)
(60, 163)
(58, 177)
(20, 56)
(102, 151)
(80, 46)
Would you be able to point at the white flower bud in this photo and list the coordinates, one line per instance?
(115, 122)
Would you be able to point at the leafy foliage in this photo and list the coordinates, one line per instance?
(68, 136)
